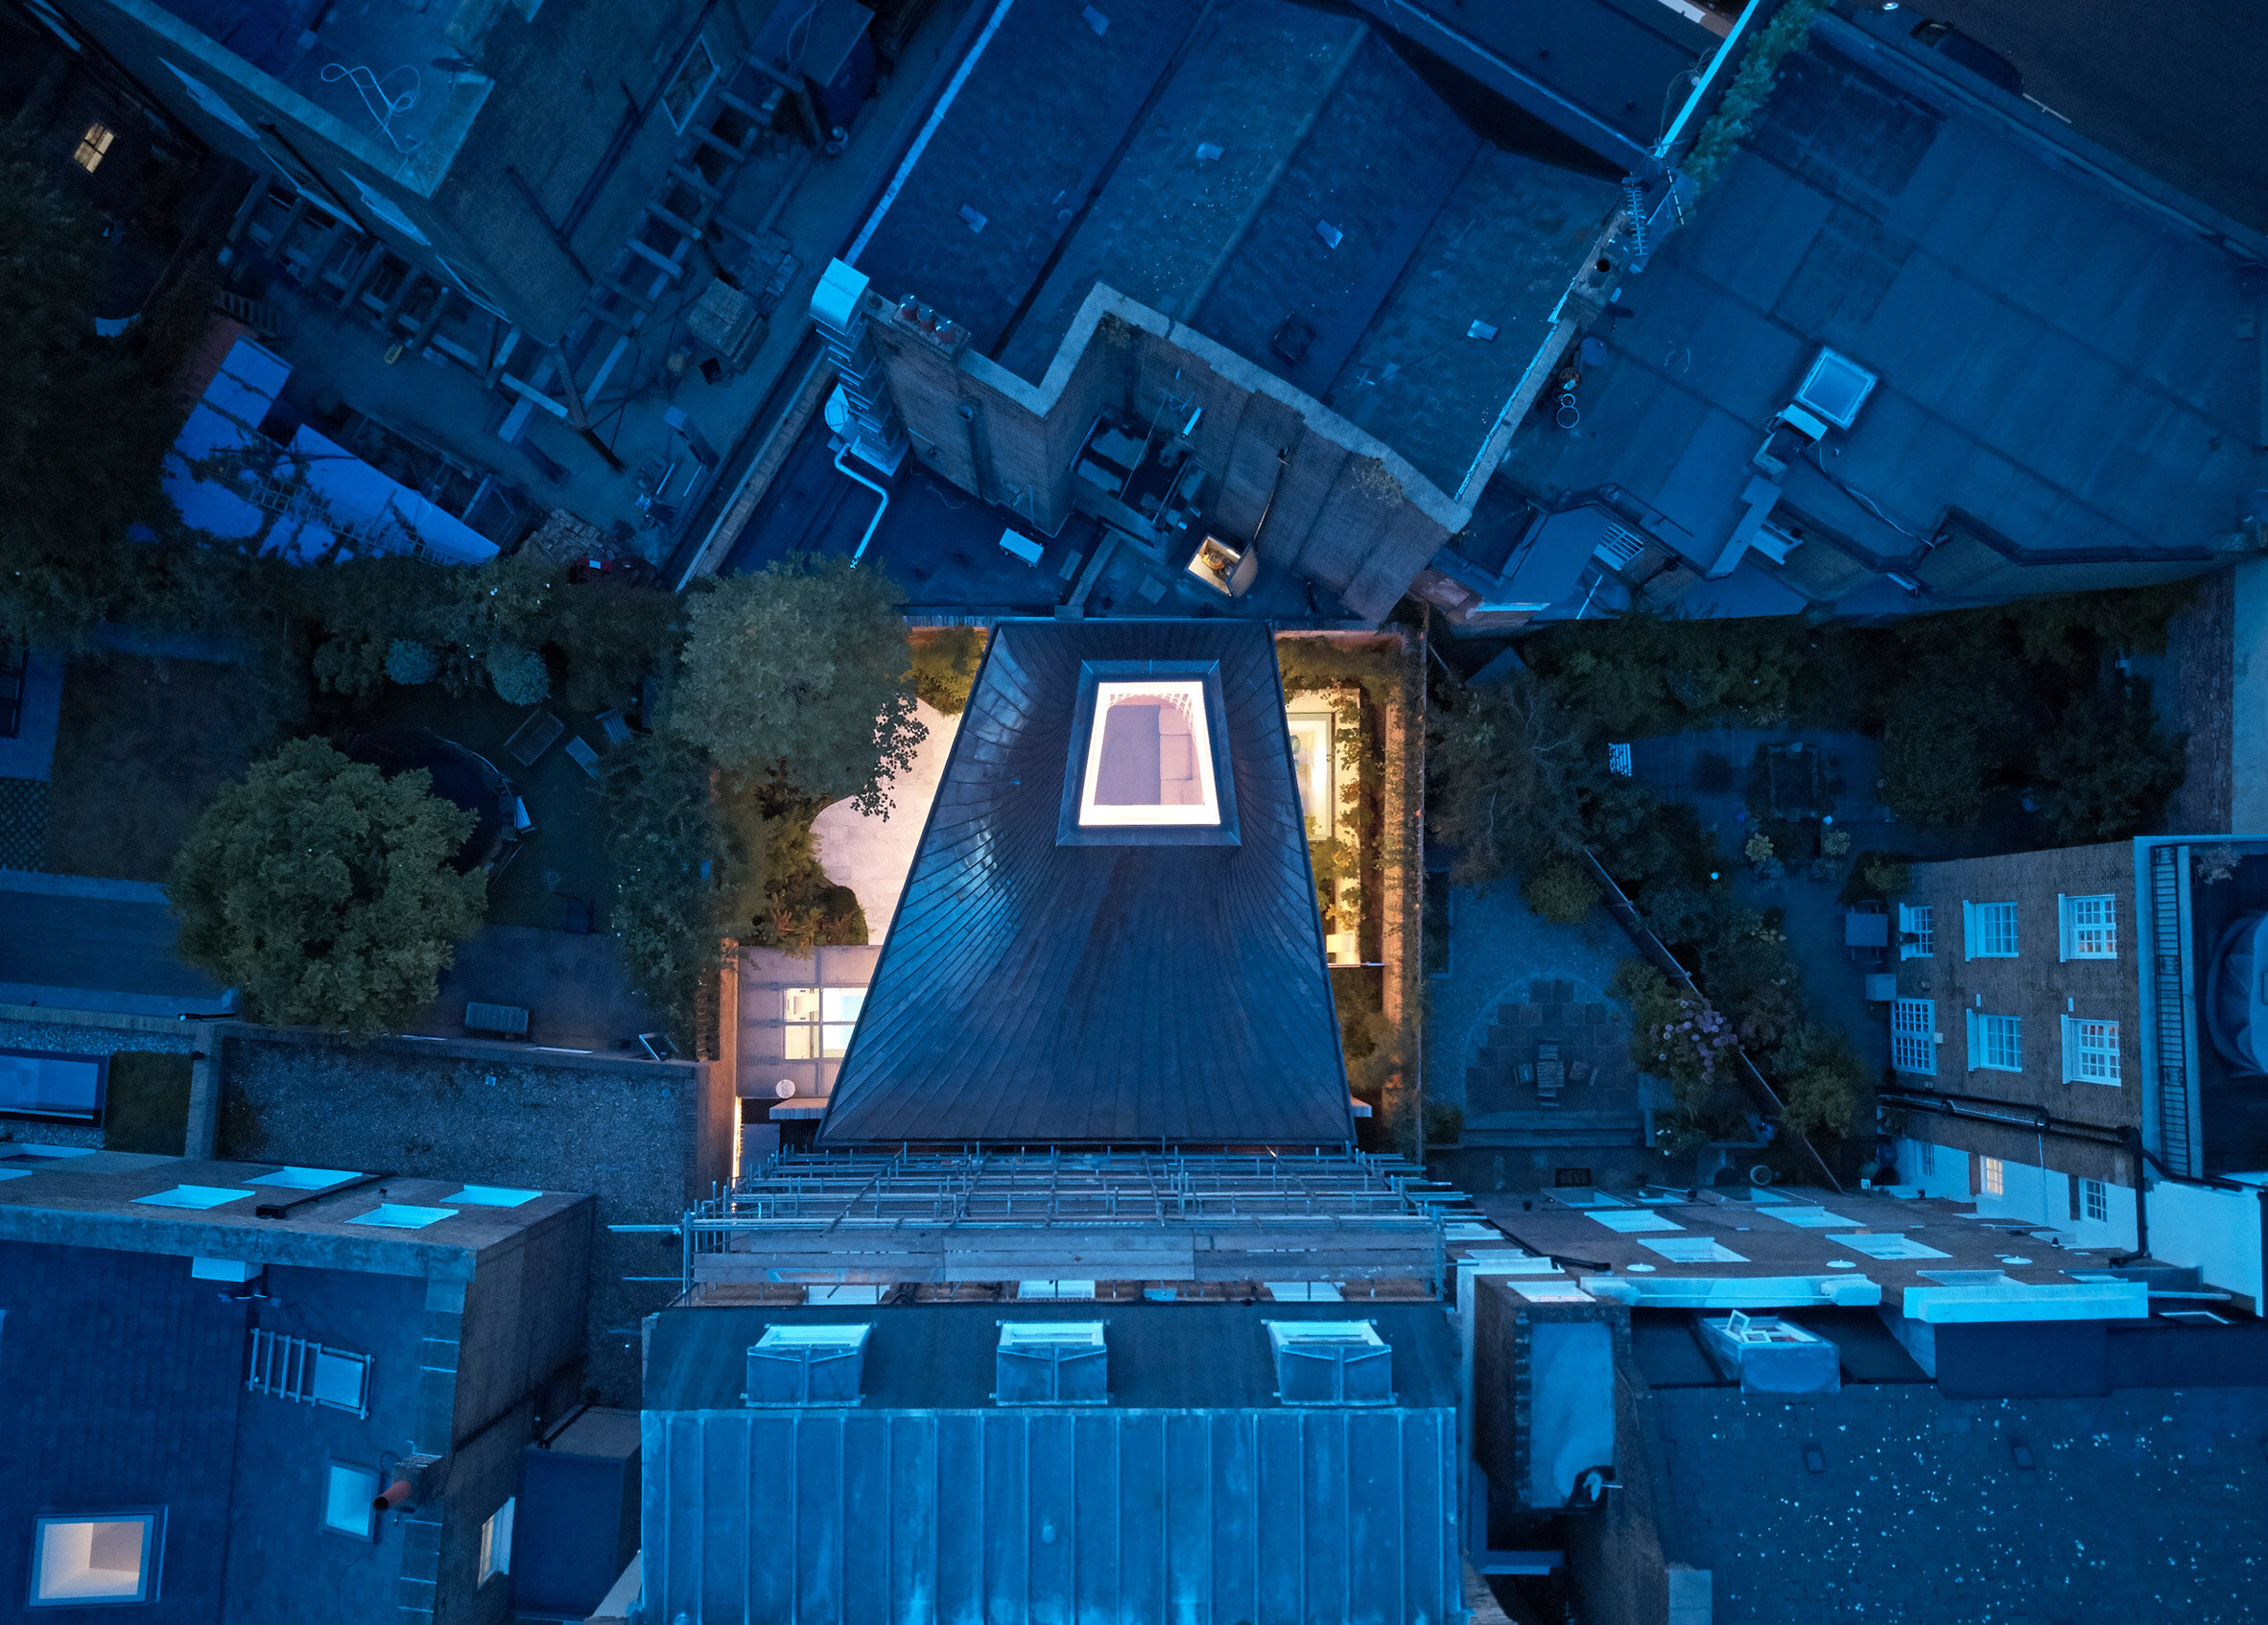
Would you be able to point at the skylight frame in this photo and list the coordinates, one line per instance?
(1186, 697)
(1214, 756)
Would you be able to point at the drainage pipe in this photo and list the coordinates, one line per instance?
(855, 477)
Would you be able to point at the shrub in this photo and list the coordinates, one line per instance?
(1888, 876)
(2106, 770)
(945, 665)
(1561, 892)
(410, 663)
(518, 675)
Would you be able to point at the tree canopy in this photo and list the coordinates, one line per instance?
(324, 891)
(84, 425)
(800, 673)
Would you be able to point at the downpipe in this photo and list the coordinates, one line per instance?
(855, 478)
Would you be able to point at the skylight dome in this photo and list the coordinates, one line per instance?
(1149, 757)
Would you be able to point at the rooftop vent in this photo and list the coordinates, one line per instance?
(1057, 1362)
(1330, 1362)
(807, 1365)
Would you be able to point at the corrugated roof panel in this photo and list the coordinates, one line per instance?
(966, 1517)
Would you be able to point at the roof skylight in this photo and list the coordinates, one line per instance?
(1149, 757)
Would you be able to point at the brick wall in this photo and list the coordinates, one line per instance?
(523, 1316)
(2037, 987)
(1341, 507)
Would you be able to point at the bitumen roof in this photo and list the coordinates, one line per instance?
(941, 1356)
(2055, 362)
(2141, 1504)
(122, 1389)
(1235, 168)
(1036, 992)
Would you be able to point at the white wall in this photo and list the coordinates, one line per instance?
(1948, 1171)
(2219, 1231)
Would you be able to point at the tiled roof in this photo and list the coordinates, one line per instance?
(1034, 992)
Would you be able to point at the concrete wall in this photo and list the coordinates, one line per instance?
(1341, 506)
(2224, 1233)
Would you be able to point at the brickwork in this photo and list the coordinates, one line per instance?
(2149, 1504)
(2038, 988)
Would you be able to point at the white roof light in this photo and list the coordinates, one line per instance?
(403, 1215)
(492, 1196)
(1149, 757)
(191, 1196)
(302, 1179)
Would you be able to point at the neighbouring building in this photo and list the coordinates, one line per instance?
(245, 1391)
(505, 148)
(1795, 1405)
(1921, 345)
(2072, 1042)
(1263, 285)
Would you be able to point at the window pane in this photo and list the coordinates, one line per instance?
(496, 1542)
(837, 1039)
(842, 1003)
(1994, 1178)
(347, 1498)
(802, 1042)
(2000, 1043)
(1995, 931)
(802, 1004)
(2095, 927)
(1913, 1046)
(90, 1560)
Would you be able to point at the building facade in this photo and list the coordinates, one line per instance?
(2070, 1044)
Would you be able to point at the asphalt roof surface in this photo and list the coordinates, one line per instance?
(2054, 361)
(1033, 992)
(1239, 169)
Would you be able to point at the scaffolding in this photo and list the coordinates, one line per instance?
(990, 1215)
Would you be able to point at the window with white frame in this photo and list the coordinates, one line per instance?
(92, 147)
(496, 1542)
(1916, 937)
(2090, 1050)
(2095, 1200)
(1991, 1178)
(820, 1020)
(1988, 931)
(1995, 1043)
(689, 84)
(2087, 927)
(1924, 1158)
(106, 1559)
(1913, 1035)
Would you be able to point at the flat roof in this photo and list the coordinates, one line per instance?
(1263, 172)
(2055, 362)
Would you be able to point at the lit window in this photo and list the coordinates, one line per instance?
(1989, 929)
(91, 147)
(1149, 757)
(75, 1560)
(1995, 1043)
(350, 1498)
(1916, 940)
(1913, 1036)
(820, 1020)
(691, 84)
(2095, 1200)
(2089, 928)
(496, 1542)
(2090, 1050)
(1992, 1177)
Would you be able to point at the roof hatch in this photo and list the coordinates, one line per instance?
(1052, 1362)
(1330, 1362)
(807, 1365)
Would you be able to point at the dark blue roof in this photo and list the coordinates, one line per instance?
(1034, 992)
(2060, 404)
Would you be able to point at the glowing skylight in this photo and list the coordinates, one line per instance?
(1149, 757)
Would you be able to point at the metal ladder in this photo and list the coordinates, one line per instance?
(2174, 1139)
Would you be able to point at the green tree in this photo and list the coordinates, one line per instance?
(84, 426)
(1506, 764)
(2106, 770)
(1561, 891)
(326, 891)
(675, 873)
(801, 673)
(945, 665)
